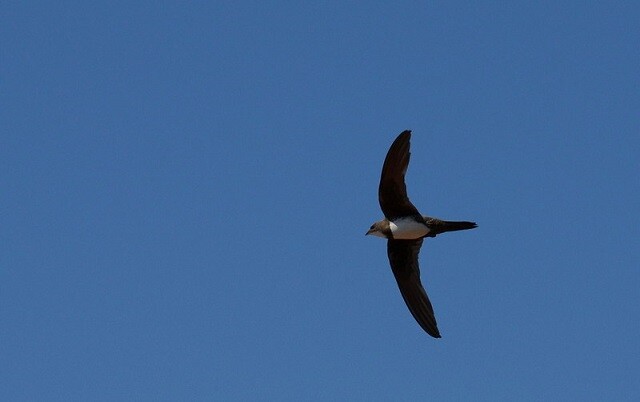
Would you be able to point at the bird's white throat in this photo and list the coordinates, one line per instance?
(408, 228)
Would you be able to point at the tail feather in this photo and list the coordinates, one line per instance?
(437, 226)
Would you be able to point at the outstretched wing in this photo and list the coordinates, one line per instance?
(392, 192)
(403, 257)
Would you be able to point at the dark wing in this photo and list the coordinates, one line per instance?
(403, 256)
(392, 192)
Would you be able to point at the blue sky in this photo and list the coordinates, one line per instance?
(186, 189)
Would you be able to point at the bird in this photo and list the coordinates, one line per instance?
(405, 230)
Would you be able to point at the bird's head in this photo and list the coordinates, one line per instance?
(380, 229)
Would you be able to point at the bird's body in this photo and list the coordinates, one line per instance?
(405, 228)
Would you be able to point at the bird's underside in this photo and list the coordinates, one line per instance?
(403, 253)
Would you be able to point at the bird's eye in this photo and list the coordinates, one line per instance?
(371, 227)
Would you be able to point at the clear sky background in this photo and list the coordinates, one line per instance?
(185, 189)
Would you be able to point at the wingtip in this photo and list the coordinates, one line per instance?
(405, 135)
(434, 333)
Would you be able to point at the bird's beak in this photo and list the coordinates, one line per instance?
(369, 232)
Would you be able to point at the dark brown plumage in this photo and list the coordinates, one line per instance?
(392, 191)
(403, 257)
(400, 213)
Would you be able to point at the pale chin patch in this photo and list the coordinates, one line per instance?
(408, 229)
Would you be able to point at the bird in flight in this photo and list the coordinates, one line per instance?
(405, 228)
